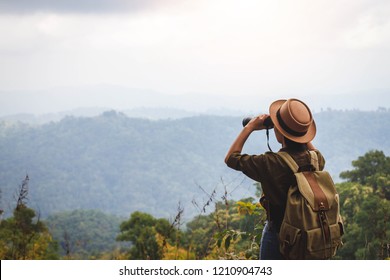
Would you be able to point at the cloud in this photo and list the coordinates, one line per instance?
(175, 46)
(76, 6)
(371, 29)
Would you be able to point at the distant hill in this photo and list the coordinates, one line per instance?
(66, 99)
(119, 164)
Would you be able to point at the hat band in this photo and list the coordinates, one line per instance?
(286, 128)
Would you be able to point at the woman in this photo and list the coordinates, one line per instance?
(294, 129)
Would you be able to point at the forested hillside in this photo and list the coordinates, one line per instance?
(120, 165)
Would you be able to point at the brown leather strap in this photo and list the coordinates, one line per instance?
(324, 225)
(320, 204)
(320, 200)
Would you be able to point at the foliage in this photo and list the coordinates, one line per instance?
(366, 208)
(120, 165)
(84, 234)
(232, 231)
(242, 240)
(24, 236)
(150, 238)
(173, 251)
(372, 170)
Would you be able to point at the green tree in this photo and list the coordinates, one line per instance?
(24, 236)
(375, 223)
(232, 231)
(365, 207)
(143, 230)
(84, 234)
(372, 169)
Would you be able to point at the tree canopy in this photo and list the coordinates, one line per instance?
(119, 165)
(365, 206)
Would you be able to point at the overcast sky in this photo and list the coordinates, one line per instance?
(222, 47)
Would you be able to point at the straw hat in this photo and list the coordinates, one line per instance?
(293, 119)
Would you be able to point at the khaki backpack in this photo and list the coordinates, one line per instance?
(312, 226)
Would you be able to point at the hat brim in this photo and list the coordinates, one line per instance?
(309, 135)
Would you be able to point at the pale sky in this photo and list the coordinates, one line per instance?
(222, 47)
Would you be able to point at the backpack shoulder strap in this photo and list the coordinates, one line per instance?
(294, 166)
(314, 160)
(289, 160)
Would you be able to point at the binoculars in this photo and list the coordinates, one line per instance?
(267, 122)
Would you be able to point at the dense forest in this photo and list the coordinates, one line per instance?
(231, 231)
(119, 165)
(115, 187)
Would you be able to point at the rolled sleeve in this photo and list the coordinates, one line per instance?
(250, 165)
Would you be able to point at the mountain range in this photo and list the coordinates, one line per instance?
(84, 101)
(120, 164)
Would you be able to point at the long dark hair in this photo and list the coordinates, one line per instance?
(292, 145)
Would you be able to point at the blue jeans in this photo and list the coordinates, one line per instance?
(269, 244)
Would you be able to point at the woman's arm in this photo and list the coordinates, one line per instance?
(255, 124)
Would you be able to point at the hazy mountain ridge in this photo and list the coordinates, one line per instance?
(149, 113)
(120, 164)
(130, 100)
